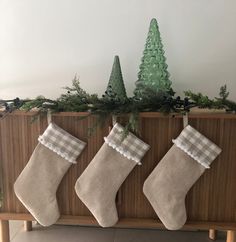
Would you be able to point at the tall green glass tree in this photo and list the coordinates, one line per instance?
(116, 83)
(153, 72)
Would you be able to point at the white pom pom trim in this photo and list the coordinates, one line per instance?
(121, 151)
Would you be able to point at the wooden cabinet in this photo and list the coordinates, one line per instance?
(211, 202)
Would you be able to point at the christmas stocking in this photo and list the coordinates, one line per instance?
(99, 183)
(168, 184)
(37, 184)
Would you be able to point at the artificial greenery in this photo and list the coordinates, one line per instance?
(221, 102)
(75, 99)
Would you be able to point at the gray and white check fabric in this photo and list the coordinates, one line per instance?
(197, 146)
(131, 147)
(61, 142)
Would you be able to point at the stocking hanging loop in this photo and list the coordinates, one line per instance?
(49, 116)
(114, 120)
(185, 120)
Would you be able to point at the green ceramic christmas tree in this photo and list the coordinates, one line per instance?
(153, 72)
(116, 83)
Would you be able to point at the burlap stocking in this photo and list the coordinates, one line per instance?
(99, 183)
(167, 186)
(36, 186)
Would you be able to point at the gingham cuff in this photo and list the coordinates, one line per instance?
(131, 146)
(197, 146)
(62, 143)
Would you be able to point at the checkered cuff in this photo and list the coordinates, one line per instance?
(131, 147)
(61, 142)
(197, 146)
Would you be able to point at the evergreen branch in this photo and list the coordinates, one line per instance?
(220, 102)
(77, 100)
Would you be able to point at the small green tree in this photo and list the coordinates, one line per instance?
(116, 83)
(153, 72)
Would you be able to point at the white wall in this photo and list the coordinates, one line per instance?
(43, 43)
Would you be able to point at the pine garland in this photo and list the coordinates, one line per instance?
(77, 100)
(221, 102)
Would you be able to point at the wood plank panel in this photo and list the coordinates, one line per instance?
(212, 199)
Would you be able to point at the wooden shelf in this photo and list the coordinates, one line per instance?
(122, 223)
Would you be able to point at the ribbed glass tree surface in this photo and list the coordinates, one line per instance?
(116, 83)
(153, 72)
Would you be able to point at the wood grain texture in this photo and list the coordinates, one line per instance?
(231, 236)
(4, 231)
(28, 226)
(212, 200)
